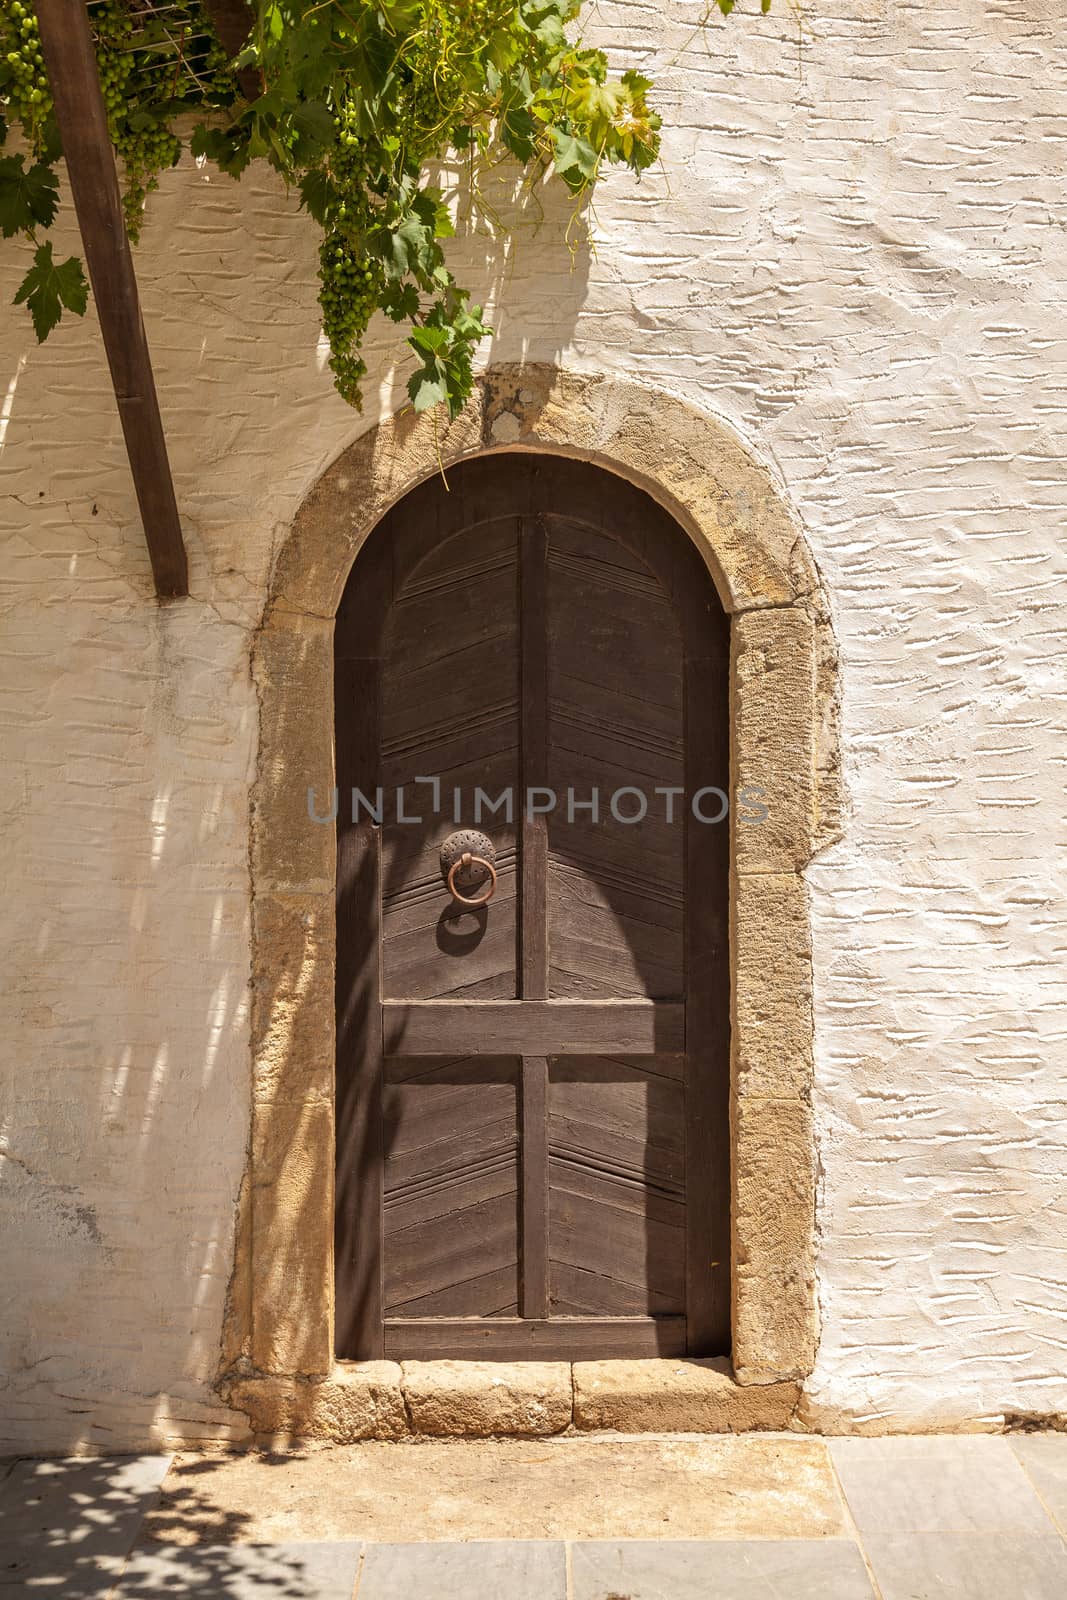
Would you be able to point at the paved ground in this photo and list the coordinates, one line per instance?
(758, 1517)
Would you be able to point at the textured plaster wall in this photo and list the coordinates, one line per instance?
(856, 256)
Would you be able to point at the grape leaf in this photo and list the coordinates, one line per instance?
(28, 199)
(412, 245)
(48, 290)
(315, 121)
(428, 341)
(400, 301)
(575, 158)
(318, 194)
(427, 388)
(229, 148)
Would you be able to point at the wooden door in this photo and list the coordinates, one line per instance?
(532, 1099)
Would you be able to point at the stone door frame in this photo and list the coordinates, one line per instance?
(279, 1328)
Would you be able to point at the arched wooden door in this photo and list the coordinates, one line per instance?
(532, 1095)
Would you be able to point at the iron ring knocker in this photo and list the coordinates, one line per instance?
(469, 860)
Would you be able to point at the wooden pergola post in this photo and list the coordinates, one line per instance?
(67, 44)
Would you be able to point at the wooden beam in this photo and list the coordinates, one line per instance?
(67, 44)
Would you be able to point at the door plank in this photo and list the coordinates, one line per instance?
(583, 1144)
(625, 1248)
(487, 1294)
(635, 1194)
(518, 1027)
(577, 1292)
(443, 1252)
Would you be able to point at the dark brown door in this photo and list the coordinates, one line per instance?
(532, 1093)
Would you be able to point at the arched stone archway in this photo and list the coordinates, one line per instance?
(279, 1330)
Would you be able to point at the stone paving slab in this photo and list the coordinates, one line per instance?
(67, 1526)
(490, 1570)
(967, 1566)
(946, 1485)
(322, 1571)
(1044, 1460)
(725, 1569)
(729, 1487)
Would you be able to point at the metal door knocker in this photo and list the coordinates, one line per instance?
(468, 861)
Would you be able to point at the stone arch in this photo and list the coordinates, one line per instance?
(279, 1331)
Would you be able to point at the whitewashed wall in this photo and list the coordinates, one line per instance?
(855, 253)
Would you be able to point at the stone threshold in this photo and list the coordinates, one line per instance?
(495, 1399)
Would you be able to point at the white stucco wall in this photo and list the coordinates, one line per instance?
(855, 254)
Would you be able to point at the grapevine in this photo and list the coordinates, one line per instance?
(351, 101)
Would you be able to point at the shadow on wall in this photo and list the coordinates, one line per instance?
(73, 1527)
(125, 1100)
(522, 251)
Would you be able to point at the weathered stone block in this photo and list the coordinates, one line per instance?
(773, 739)
(358, 1400)
(681, 1396)
(292, 1231)
(293, 997)
(775, 1315)
(293, 667)
(772, 1005)
(479, 1398)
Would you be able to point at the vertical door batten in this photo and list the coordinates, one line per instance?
(534, 1186)
(358, 1195)
(533, 926)
(533, 715)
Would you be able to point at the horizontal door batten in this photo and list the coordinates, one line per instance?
(532, 1027)
(544, 1338)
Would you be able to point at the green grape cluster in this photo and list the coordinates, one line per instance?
(350, 287)
(436, 84)
(113, 32)
(477, 20)
(23, 81)
(348, 158)
(144, 151)
(218, 82)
